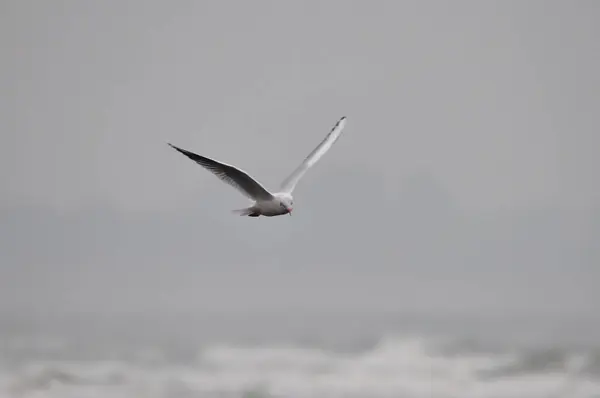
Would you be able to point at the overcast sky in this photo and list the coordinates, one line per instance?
(466, 178)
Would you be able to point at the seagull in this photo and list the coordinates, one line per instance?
(266, 203)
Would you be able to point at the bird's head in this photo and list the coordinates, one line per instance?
(286, 202)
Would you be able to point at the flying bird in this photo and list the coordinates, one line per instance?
(266, 203)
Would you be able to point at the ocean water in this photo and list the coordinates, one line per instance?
(297, 356)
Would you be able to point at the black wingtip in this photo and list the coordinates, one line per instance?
(177, 149)
(343, 118)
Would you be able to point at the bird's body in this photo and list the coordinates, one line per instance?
(279, 205)
(266, 203)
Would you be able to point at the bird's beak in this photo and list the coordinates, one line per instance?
(290, 211)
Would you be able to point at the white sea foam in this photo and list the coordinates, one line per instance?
(396, 367)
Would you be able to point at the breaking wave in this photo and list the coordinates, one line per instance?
(399, 367)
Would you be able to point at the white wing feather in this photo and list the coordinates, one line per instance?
(290, 182)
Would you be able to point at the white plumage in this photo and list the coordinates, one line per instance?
(266, 203)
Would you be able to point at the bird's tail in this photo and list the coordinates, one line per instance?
(249, 211)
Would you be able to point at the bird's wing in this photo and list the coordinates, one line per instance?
(290, 182)
(231, 175)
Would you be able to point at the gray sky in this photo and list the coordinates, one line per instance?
(466, 177)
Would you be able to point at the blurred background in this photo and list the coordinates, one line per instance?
(447, 245)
